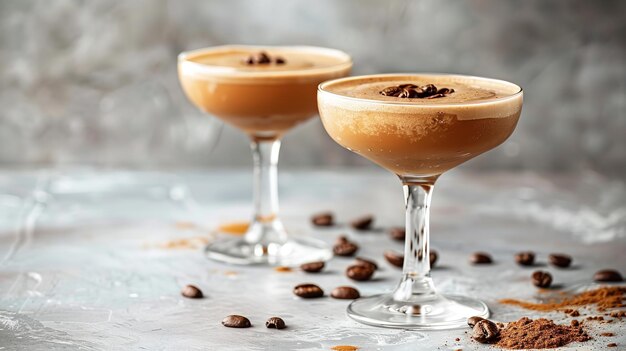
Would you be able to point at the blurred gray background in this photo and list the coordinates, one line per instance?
(94, 82)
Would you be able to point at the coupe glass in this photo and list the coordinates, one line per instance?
(264, 101)
(418, 142)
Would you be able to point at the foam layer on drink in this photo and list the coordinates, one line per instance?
(229, 62)
(473, 97)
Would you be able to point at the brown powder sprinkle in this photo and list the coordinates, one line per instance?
(604, 298)
(539, 334)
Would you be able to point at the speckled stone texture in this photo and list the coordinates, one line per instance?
(85, 263)
(95, 81)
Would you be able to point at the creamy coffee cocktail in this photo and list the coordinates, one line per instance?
(418, 126)
(263, 91)
(419, 136)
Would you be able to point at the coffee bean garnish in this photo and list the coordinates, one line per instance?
(359, 273)
(433, 257)
(313, 267)
(411, 91)
(526, 258)
(324, 219)
(485, 331)
(344, 247)
(192, 292)
(345, 293)
(608, 275)
(560, 260)
(363, 223)
(236, 321)
(262, 58)
(480, 258)
(541, 279)
(360, 261)
(275, 323)
(397, 233)
(396, 259)
(471, 321)
(308, 291)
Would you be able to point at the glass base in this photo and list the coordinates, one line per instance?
(292, 252)
(435, 312)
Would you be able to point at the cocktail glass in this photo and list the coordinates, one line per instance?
(418, 140)
(264, 101)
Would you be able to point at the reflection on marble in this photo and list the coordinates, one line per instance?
(86, 265)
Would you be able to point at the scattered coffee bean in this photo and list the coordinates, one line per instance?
(236, 321)
(344, 247)
(360, 261)
(363, 223)
(192, 292)
(480, 258)
(541, 279)
(275, 323)
(397, 233)
(345, 292)
(308, 291)
(324, 219)
(396, 259)
(433, 257)
(280, 61)
(560, 260)
(485, 331)
(359, 273)
(608, 275)
(413, 91)
(313, 267)
(392, 91)
(526, 258)
(471, 321)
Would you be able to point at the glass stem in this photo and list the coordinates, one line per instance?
(265, 227)
(416, 281)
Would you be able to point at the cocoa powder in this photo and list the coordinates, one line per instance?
(539, 334)
(603, 298)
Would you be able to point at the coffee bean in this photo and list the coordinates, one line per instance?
(263, 58)
(363, 223)
(345, 292)
(471, 321)
(445, 91)
(608, 275)
(280, 61)
(433, 257)
(360, 261)
(275, 323)
(560, 260)
(397, 233)
(308, 291)
(525, 258)
(324, 219)
(192, 292)
(391, 91)
(485, 331)
(236, 321)
(359, 273)
(345, 248)
(313, 267)
(435, 96)
(394, 258)
(429, 89)
(541, 279)
(480, 258)
(409, 85)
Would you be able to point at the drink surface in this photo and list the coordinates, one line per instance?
(263, 99)
(419, 136)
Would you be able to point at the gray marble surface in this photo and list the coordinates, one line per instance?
(85, 262)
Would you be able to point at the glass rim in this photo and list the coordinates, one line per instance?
(321, 89)
(184, 58)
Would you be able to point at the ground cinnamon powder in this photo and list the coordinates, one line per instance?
(603, 298)
(539, 334)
